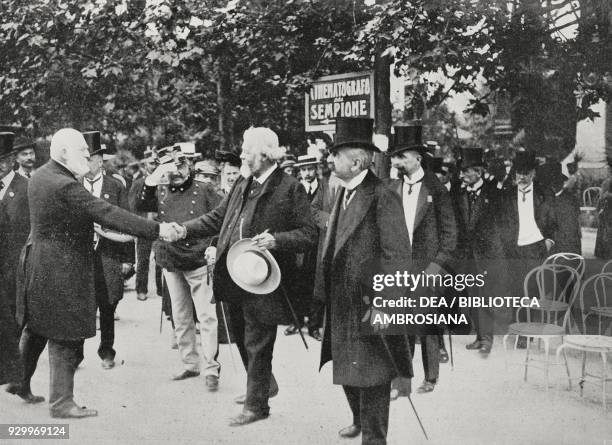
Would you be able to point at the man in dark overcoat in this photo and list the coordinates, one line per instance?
(365, 236)
(430, 219)
(270, 207)
(112, 259)
(479, 249)
(57, 300)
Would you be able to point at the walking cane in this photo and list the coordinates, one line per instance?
(295, 319)
(397, 371)
(450, 345)
(161, 309)
(209, 269)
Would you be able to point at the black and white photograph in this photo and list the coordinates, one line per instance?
(306, 222)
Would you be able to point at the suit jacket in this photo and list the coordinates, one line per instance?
(113, 253)
(567, 236)
(283, 209)
(57, 298)
(435, 232)
(14, 230)
(372, 239)
(544, 215)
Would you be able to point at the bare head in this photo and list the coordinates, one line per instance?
(69, 148)
(260, 150)
(350, 162)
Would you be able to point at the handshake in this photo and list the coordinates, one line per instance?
(171, 232)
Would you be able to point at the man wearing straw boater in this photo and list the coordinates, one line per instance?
(261, 223)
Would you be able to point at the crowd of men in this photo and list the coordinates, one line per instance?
(241, 245)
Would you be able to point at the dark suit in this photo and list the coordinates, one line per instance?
(479, 250)
(567, 236)
(434, 239)
(56, 300)
(108, 278)
(279, 205)
(366, 238)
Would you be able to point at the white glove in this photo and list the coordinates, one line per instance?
(210, 254)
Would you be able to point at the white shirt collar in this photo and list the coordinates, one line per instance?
(262, 178)
(95, 178)
(416, 176)
(23, 173)
(354, 182)
(310, 185)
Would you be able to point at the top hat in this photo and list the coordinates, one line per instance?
(6, 143)
(253, 269)
(525, 161)
(354, 132)
(472, 157)
(93, 142)
(408, 138)
(439, 166)
(306, 160)
(228, 156)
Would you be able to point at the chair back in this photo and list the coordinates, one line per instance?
(590, 196)
(573, 260)
(597, 291)
(545, 281)
(607, 268)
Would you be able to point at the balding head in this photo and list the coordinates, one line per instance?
(260, 150)
(69, 148)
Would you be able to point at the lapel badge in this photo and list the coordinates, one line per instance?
(12, 194)
(106, 196)
(429, 198)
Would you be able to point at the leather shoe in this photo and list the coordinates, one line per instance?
(350, 431)
(76, 412)
(426, 387)
(108, 363)
(485, 348)
(246, 417)
(242, 398)
(315, 333)
(212, 382)
(474, 345)
(185, 375)
(291, 330)
(443, 356)
(26, 396)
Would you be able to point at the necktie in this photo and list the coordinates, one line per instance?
(524, 192)
(410, 184)
(347, 196)
(28, 175)
(91, 182)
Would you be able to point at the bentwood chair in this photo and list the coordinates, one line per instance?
(593, 344)
(554, 312)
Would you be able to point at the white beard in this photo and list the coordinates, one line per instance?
(77, 167)
(245, 171)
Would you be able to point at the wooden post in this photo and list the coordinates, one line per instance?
(382, 106)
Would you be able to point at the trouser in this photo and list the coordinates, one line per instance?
(189, 290)
(107, 313)
(430, 354)
(30, 347)
(370, 408)
(64, 358)
(143, 258)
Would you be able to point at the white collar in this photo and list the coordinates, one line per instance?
(262, 178)
(529, 189)
(355, 181)
(416, 176)
(8, 178)
(23, 173)
(476, 186)
(314, 184)
(94, 179)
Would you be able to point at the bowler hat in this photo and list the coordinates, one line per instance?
(354, 132)
(94, 143)
(23, 143)
(525, 161)
(472, 157)
(6, 143)
(252, 268)
(408, 138)
(306, 160)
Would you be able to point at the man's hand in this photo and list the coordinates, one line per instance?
(265, 240)
(126, 268)
(549, 244)
(154, 178)
(171, 232)
(371, 315)
(210, 254)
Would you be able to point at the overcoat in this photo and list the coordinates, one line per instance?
(56, 298)
(373, 240)
(283, 209)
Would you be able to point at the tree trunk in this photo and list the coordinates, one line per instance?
(223, 103)
(382, 107)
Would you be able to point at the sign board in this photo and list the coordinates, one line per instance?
(344, 95)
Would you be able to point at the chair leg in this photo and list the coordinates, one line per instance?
(604, 378)
(584, 356)
(527, 357)
(569, 378)
(547, 362)
(504, 339)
